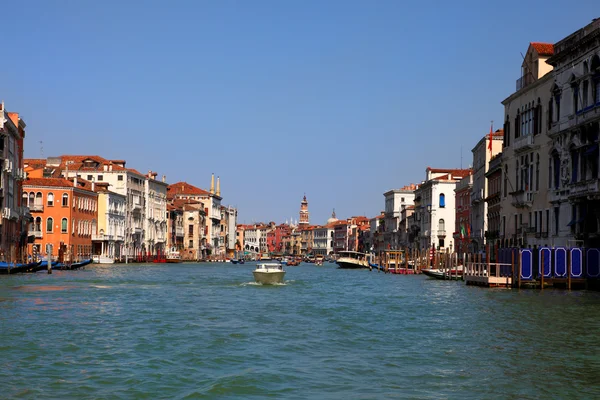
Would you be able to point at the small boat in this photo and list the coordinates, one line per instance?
(241, 261)
(98, 259)
(173, 256)
(12, 268)
(269, 273)
(353, 260)
(453, 274)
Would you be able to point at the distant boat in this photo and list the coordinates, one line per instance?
(353, 260)
(173, 256)
(269, 273)
(453, 274)
(98, 259)
(75, 265)
(234, 261)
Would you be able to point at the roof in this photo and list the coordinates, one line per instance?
(184, 188)
(59, 183)
(453, 171)
(543, 49)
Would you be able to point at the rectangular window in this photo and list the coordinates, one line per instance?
(90, 177)
(556, 219)
(119, 177)
(191, 244)
(191, 229)
(100, 177)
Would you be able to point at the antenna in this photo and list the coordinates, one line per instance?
(42, 149)
(461, 156)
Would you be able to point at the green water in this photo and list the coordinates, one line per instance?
(205, 331)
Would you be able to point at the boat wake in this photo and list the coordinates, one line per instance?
(260, 284)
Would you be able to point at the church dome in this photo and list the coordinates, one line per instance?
(333, 218)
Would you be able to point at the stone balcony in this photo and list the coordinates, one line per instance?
(36, 208)
(37, 234)
(583, 188)
(523, 143)
(522, 199)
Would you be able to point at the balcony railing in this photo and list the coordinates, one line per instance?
(583, 188)
(522, 199)
(523, 143)
(441, 233)
(37, 234)
(36, 207)
(102, 237)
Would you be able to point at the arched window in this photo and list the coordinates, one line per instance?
(38, 224)
(25, 199)
(505, 180)
(64, 225)
(31, 199)
(442, 200)
(65, 200)
(49, 224)
(441, 225)
(50, 199)
(38, 199)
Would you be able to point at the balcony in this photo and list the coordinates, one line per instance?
(522, 199)
(136, 207)
(583, 188)
(523, 143)
(102, 237)
(37, 234)
(179, 231)
(476, 196)
(441, 233)
(36, 208)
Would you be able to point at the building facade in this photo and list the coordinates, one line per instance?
(395, 201)
(574, 127)
(462, 224)
(109, 239)
(485, 149)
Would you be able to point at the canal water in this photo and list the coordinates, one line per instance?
(195, 331)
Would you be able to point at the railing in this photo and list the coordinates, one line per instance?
(102, 237)
(37, 234)
(179, 231)
(484, 269)
(441, 233)
(583, 188)
(36, 207)
(476, 196)
(523, 142)
(522, 199)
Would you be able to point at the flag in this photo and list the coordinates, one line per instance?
(490, 141)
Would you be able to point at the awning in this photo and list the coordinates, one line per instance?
(591, 150)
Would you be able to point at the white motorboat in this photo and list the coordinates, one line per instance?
(268, 273)
(353, 259)
(97, 259)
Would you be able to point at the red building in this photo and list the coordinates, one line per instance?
(275, 238)
(462, 230)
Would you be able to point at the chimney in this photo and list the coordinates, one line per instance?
(110, 165)
(212, 184)
(75, 181)
(164, 179)
(105, 167)
(218, 186)
(93, 184)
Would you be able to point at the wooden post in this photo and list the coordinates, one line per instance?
(512, 267)
(519, 261)
(569, 261)
(497, 260)
(543, 270)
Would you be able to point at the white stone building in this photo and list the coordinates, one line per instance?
(109, 239)
(575, 129)
(395, 201)
(479, 191)
(525, 216)
(435, 208)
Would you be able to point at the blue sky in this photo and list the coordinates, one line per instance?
(341, 100)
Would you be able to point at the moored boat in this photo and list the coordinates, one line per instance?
(99, 259)
(353, 260)
(173, 256)
(269, 273)
(448, 274)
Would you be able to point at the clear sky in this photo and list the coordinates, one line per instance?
(341, 100)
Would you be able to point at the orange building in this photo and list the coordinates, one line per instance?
(65, 215)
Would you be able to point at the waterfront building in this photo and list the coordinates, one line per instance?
(376, 232)
(211, 201)
(307, 239)
(254, 242)
(175, 233)
(109, 238)
(195, 227)
(323, 238)
(15, 216)
(275, 237)
(462, 224)
(292, 242)
(304, 220)
(526, 155)
(485, 149)
(435, 208)
(65, 215)
(406, 213)
(340, 242)
(395, 200)
(155, 223)
(228, 231)
(494, 179)
(574, 127)
(141, 214)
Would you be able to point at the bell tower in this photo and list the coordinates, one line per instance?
(303, 213)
